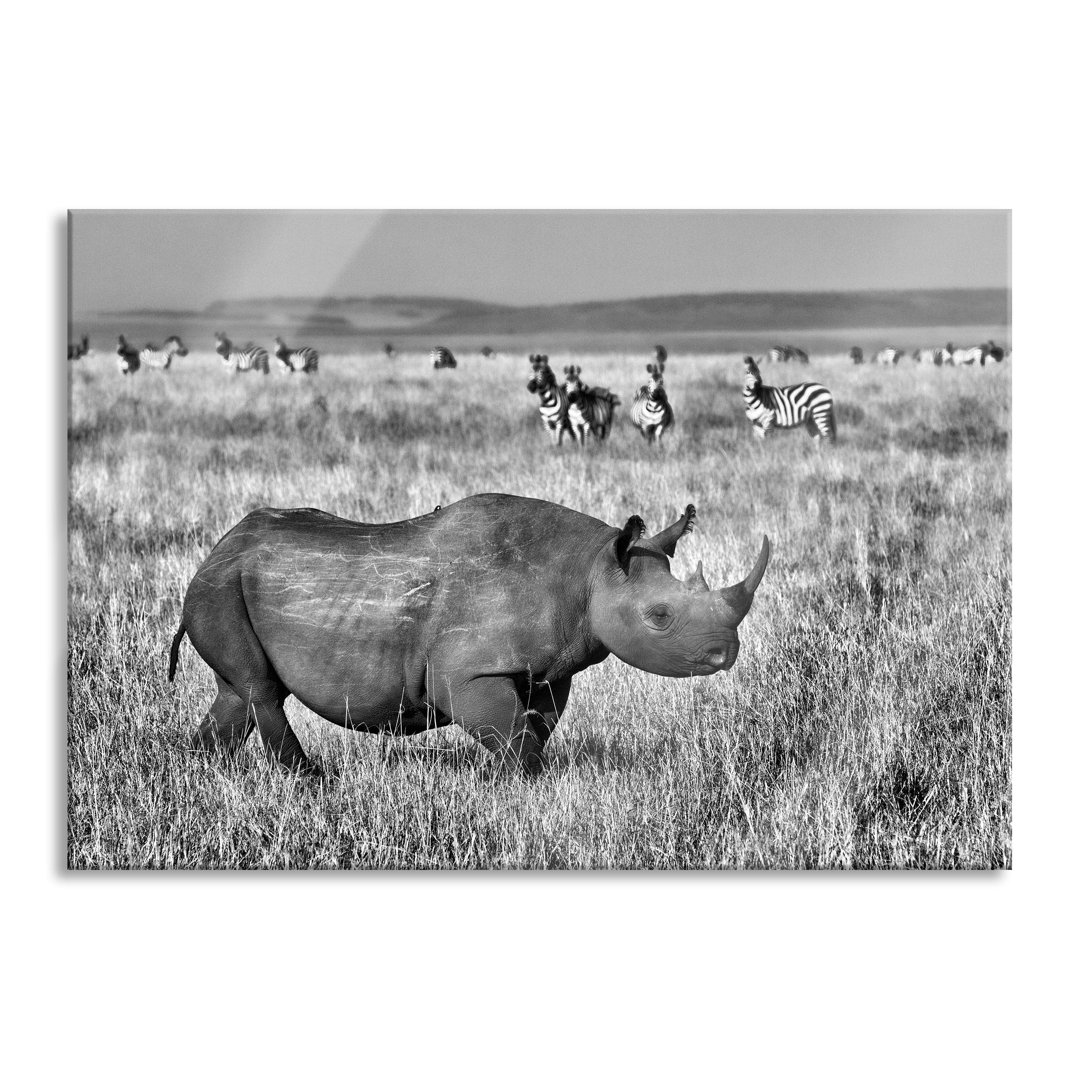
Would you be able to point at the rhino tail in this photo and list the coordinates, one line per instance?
(174, 650)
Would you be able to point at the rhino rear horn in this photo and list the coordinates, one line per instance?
(697, 581)
(667, 539)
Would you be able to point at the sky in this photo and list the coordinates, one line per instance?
(188, 259)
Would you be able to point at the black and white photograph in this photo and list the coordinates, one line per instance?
(539, 540)
(527, 549)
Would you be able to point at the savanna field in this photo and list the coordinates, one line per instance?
(866, 724)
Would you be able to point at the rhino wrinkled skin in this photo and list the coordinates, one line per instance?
(478, 614)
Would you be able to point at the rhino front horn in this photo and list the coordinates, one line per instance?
(738, 598)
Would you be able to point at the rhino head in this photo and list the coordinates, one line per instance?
(651, 620)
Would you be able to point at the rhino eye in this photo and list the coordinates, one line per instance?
(659, 615)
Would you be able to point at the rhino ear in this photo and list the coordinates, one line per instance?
(631, 533)
(667, 539)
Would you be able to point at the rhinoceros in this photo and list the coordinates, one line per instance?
(477, 614)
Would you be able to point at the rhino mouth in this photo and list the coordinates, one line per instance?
(721, 659)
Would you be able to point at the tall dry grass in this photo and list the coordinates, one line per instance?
(867, 722)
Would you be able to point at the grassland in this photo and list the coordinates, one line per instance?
(867, 722)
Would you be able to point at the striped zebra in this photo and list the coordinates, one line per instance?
(305, 359)
(251, 357)
(441, 357)
(77, 352)
(888, 355)
(967, 357)
(784, 354)
(855, 354)
(990, 351)
(651, 412)
(553, 402)
(787, 406)
(127, 356)
(161, 359)
(590, 410)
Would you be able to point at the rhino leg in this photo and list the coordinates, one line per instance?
(544, 706)
(227, 724)
(232, 718)
(279, 739)
(490, 709)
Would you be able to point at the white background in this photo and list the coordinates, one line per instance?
(560, 105)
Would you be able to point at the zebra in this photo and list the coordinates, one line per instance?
(304, 359)
(441, 357)
(128, 361)
(888, 355)
(651, 411)
(994, 352)
(787, 406)
(77, 352)
(783, 354)
(967, 357)
(161, 359)
(855, 354)
(590, 410)
(553, 402)
(251, 357)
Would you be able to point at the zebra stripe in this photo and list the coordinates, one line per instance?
(787, 406)
(128, 356)
(304, 359)
(888, 355)
(251, 357)
(77, 352)
(442, 357)
(553, 401)
(651, 412)
(161, 359)
(590, 410)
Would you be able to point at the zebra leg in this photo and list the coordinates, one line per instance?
(822, 426)
(227, 725)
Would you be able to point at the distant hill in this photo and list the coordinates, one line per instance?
(689, 314)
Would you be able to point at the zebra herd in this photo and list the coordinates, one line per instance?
(583, 412)
(249, 357)
(587, 412)
(572, 406)
(949, 355)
